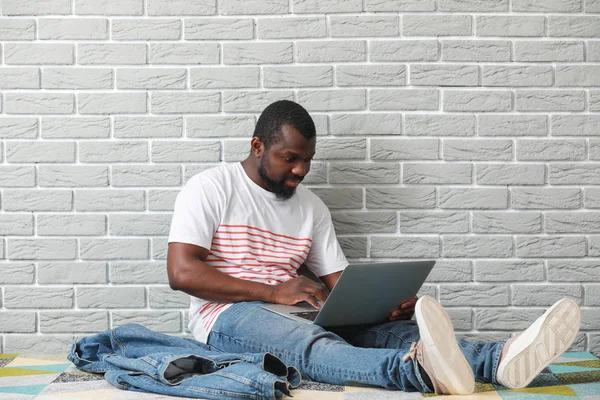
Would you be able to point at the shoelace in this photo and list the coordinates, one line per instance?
(412, 353)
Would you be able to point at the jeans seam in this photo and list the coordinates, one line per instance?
(497, 355)
(424, 387)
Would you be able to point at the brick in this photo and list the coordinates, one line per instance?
(71, 225)
(574, 26)
(353, 247)
(139, 224)
(73, 321)
(18, 322)
(40, 152)
(113, 152)
(77, 78)
(146, 175)
(550, 100)
(18, 128)
(114, 249)
(451, 271)
(591, 294)
(165, 297)
(155, 78)
(477, 100)
(405, 246)
(399, 5)
(150, 272)
(572, 222)
(592, 6)
(228, 7)
(436, 173)
(36, 7)
(17, 176)
(404, 149)
(73, 29)
(510, 174)
(475, 50)
(71, 272)
(148, 127)
(371, 75)
(186, 102)
(17, 273)
(181, 7)
(109, 7)
(437, 25)
(507, 222)
(340, 198)
(551, 149)
(241, 101)
(550, 246)
(593, 50)
(501, 75)
(19, 78)
(510, 26)
(513, 125)
(444, 75)
(403, 50)
(35, 297)
(37, 200)
(594, 100)
(346, 222)
(575, 125)
(42, 249)
(372, 173)
(472, 198)
(543, 295)
(328, 51)
(359, 26)
(161, 200)
(38, 53)
(185, 151)
(291, 27)
(505, 319)
(546, 6)
(111, 53)
(594, 246)
(366, 124)
(31, 344)
(439, 125)
(257, 53)
(184, 53)
(548, 50)
(325, 6)
(434, 222)
(17, 29)
(399, 198)
(158, 321)
(159, 248)
(109, 200)
(38, 103)
(574, 174)
(111, 103)
(220, 29)
(146, 29)
(296, 76)
(473, 5)
(508, 270)
(545, 198)
(219, 126)
(592, 198)
(111, 297)
(477, 246)
(474, 295)
(404, 99)
(73, 176)
(578, 75)
(477, 149)
(235, 150)
(339, 149)
(225, 77)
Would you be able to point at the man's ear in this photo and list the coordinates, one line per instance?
(257, 147)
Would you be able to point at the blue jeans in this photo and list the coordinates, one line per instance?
(359, 356)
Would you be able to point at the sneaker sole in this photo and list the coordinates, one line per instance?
(554, 336)
(448, 364)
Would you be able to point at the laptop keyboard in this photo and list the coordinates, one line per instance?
(309, 315)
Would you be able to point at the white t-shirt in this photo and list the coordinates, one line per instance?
(251, 234)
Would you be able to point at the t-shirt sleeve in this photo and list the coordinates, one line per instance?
(326, 255)
(197, 213)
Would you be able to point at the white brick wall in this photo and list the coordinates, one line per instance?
(462, 130)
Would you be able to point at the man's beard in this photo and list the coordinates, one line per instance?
(279, 188)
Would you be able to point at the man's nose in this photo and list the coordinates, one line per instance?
(301, 168)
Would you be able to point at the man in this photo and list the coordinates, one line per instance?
(239, 233)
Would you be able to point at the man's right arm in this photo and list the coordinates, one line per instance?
(188, 272)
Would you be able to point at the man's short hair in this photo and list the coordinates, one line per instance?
(282, 112)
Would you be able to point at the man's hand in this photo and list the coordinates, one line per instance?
(296, 290)
(404, 311)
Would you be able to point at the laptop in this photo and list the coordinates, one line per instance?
(364, 294)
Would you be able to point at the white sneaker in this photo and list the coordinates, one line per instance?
(437, 351)
(540, 344)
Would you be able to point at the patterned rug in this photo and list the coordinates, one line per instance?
(575, 375)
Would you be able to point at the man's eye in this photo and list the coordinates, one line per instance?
(288, 159)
